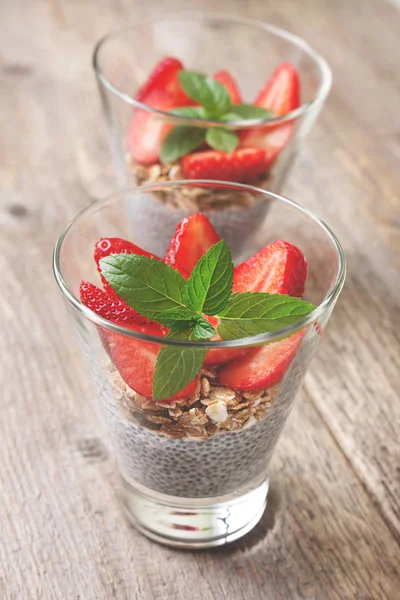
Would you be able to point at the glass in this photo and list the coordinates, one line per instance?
(251, 51)
(195, 474)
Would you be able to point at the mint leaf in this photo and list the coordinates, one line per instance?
(192, 112)
(252, 313)
(203, 330)
(175, 369)
(178, 318)
(180, 141)
(210, 284)
(146, 284)
(221, 138)
(247, 111)
(204, 90)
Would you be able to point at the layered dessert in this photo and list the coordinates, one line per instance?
(206, 144)
(188, 419)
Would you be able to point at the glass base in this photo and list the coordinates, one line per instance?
(193, 523)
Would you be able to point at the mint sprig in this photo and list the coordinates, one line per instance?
(215, 105)
(159, 292)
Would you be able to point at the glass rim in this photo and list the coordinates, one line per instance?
(324, 70)
(259, 339)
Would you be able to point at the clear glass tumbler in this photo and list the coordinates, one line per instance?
(195, 474)
(250, 50)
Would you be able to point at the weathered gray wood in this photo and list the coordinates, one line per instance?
(332, 529)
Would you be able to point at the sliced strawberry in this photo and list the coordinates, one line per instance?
(136, 363)
(282, 95)
(241, 165)
(281, 92)
(114, 245)
(107, 246)
(113, 308)
(193, 236)
(279, 268)
(220, 356)
(226, 79)
(165, 77)
(262, 367)
(147, 131)
(109, 307)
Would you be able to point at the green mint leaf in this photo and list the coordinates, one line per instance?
(252, 313)
(221, 138)
(175, 369)
(181, 334)
(248, 111)
(204, 90)
(209, 286)
(192, 112)
(203, 330)
(177, 318)
(146, 284)
(180, 141)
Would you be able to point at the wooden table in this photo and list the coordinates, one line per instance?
(332, 528)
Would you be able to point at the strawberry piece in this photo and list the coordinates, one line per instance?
(279, 268)
(193, 236)
(161, 91)
(220, 356)
(262, 367)
(226, 79)
(109, 307)
(281, 92)
(165, 77)
(241, 165)
(136, 363)
(107, 246)
(113, 245)
(147, 131)
(134, 359)
(282, 95)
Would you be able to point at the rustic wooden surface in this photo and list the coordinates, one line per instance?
(332, 529)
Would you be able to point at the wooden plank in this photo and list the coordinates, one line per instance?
(330, 529)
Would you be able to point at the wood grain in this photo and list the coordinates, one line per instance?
(332, 529)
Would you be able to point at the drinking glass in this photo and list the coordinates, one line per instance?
(195, 473)
(248, 49)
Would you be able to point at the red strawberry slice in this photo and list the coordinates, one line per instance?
(226, 79)
(107, 246)
(282, 91)
(165, 77)
(113, 308)
(109, 307)
(279, 268)
(134, 359)
(114, 245)
(282, 95)
(193, 236)
(262, 367)
(136, 362)
(241, 165)
(147, 131)
(219, 356)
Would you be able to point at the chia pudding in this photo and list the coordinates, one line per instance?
(218, 443)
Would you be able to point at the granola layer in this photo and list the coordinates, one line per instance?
(195, 198)
(212, 410)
